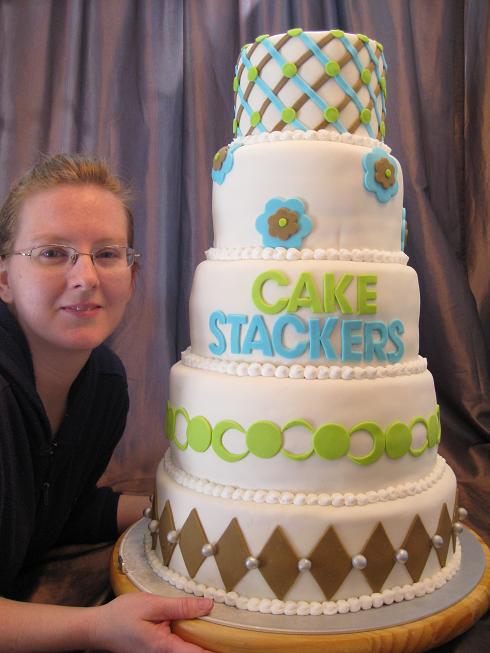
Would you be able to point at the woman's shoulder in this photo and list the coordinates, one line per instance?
(106, 361)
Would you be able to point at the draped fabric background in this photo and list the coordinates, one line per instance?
(148, 86)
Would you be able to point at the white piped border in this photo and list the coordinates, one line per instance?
(257, 253)
(303, 608)
(336, 499)
(308, 372)
(311, 135)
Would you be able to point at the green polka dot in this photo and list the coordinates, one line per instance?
(398, 440)
(366, 76)
(383, 85)
(379, 46)
(247, 45)
(170, 421)
(296, 31)
(387, 173)
(199, 433)
(434, 430)
(288, 115)
(365, 116)
(289, 70)
(255, 118)
(235, 84)
(362, 37)
(338, 33)
(260, 38)
(382, 128)
(252, 74)
(235, 126)
(332, 68)
(216, 156)
(331, 441)
(282, 222)
(331, 114)
(264, 439)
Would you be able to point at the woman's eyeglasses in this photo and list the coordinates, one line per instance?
(111, 257)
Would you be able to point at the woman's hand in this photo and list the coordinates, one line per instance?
(141, 622)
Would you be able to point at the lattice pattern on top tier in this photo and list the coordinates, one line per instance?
(311, 81)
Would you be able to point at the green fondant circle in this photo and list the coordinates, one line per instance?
(235, 125)
(379, 46)
(365, 116)
(260, 38)
(170, 421)
(362, 37)
(217, 440)
(185, 414)
(289, 69)
(420, 450)
(331, 114)
(398, 440)
(199, 433)
(383, 85)
(332, 68)
(382, 128)
(378, 437)
(434, 430)
(366, 76)
(255, 118)
(252, 74)
(235, 84)
(288, 115)
(296, 31)
(387, 173)
(338, 33)
(290, 425)
(282, 222)
(264, 439)
(331, 441)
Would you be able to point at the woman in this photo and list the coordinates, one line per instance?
(67, 270)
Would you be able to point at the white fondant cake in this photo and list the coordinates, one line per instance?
(302, 475)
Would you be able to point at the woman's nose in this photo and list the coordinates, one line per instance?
(83, 273)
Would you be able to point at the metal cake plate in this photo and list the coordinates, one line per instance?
(141, 575)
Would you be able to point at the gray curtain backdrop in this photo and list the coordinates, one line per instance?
(148, 86)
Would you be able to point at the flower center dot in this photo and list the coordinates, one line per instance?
(387, 174)
(282, 222)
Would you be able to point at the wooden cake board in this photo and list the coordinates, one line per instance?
(411, 637)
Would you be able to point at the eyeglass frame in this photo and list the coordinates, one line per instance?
(74, 258)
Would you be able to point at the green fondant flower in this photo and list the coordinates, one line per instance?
(284, 223)
(381, 174)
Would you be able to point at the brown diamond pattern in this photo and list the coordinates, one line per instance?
(330, 563)
(154, 515)
(165, 525)
(444, 529)
(455, 518)
(278, 563)
(191, 540)
(232, 551)
(419, 545)
(380, 556)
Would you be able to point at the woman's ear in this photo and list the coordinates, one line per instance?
(5, 290)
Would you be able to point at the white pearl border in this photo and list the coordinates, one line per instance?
(336, 499)
(307, 372)
(311, 135)
(257, 253)
(303, 608)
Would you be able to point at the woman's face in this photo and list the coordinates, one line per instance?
(79, 306)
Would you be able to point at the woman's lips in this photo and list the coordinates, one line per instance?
(82, 310)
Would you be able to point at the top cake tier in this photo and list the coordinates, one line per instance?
(311, 80)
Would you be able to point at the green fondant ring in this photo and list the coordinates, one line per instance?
(290, 425)
(217, 440)
(378, 437)
(170, 422)
(420, 450)
(185, 415)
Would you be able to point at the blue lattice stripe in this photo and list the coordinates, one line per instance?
(310, 90)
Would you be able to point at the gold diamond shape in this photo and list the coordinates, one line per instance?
(455, 518)
(154, 515)
(330, 563)
(278, 563)
(231, 553)
(165, 525)
(380, 556)
(191, 540)
(419, 545)
(444, 529)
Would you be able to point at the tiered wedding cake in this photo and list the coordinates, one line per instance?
(302, 475)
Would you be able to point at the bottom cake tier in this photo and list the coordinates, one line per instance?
(301, 558)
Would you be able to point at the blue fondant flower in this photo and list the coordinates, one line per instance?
(223, 162)
(404, 229)
(381, 174)
(283, 223)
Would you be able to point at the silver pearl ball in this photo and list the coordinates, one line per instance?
(304, 564)
(401, 556)
(437, 541)
(172, 537)
(462, 513)
(153, 526)
(458, 527)
(251, 562)
(208, 550)
(147, 513)
(359, 561)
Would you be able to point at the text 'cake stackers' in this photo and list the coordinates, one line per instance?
(302, 475)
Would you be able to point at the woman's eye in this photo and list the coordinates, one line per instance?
(53, 252)
(108, 253)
